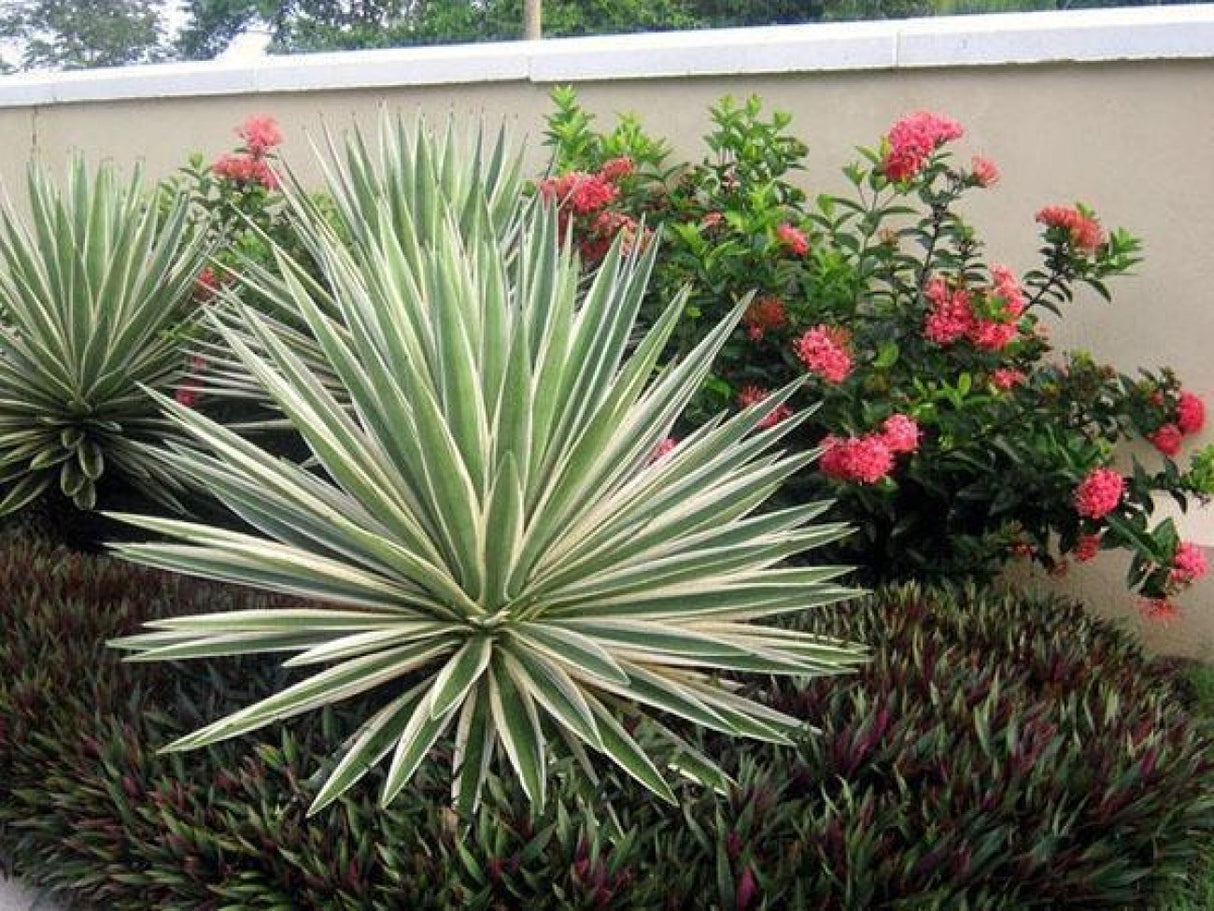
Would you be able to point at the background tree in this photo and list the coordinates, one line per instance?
(313, 25)
(71, 34)
(316, 25)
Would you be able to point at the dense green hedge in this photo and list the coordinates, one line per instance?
(997, 753)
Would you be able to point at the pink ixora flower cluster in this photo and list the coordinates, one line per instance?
(869, 458)
(1188, 565)
(983, 172)
(953, 312)
(584, 199)
(1189, 417)
(579, 192)
(792, 240)
(912, 140)
(1087, 547)
(1099, 493)
(250, 165)
(206, 285)
(1083, 231)
(1006, 378)
(826, 351)
(765, 314)
(752, 395)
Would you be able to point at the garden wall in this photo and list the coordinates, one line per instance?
(1111, 107)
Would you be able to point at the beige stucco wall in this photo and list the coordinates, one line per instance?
(1133, 139)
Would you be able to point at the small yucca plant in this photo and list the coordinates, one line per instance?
(490, 541)
(93, 294)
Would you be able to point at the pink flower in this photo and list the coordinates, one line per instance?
(763, 315)
(1007, 286)
(1099, 493)
(865, 459)
(1084, 231)
(187, 396)
(245, 169)
(1006, 302)
(824, 351)
(581, 192)
(991, 335)
(605, 228)
(1167, 439)
(617, 168)
(1006, 378)
(1188, 564)
(664, 448)
(983, 172)
(949, 314)
(1190, 413)
(205, 285)
(711, 220)
(792, 240)
(912, 140)
(260, 133)
(1158, 610)
(752, 395)
(590, 193)
(1087, 547)
(900, 433)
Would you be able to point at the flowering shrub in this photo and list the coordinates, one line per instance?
(951, 433)
(250, 165)
(237, 201)
(236, 196)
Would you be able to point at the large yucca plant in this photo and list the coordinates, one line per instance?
(93, 292)
(488, 540)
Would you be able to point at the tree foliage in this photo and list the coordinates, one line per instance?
(312, 25)
(71, 34)
(317, 25)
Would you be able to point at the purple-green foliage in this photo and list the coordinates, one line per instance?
(996, 753)
(996, 467)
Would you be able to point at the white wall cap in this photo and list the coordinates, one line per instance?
(770, 49)
(1125, 33)
(445, 64)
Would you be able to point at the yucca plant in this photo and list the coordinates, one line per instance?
(488, 539)
(404, 178)
(94, 294)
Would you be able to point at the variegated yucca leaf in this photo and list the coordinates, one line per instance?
(406, 179)
(488, 541)
(94, 294)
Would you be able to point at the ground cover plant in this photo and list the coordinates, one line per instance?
(955, 437)
(997, 752)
